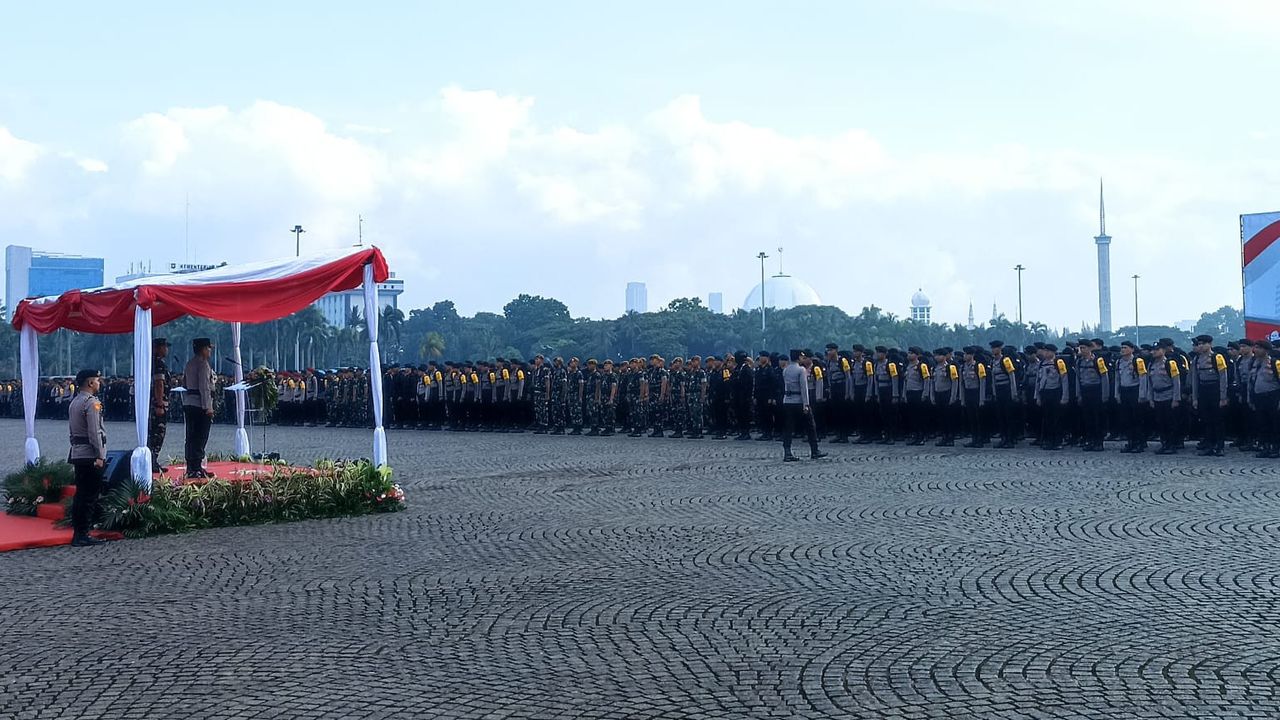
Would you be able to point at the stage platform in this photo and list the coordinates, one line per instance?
(24, 533)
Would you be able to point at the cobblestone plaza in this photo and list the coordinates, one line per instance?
(561, 577)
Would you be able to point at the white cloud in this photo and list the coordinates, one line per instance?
(16, 156)
(479, 200)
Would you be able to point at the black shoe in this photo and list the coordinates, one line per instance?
(840, 441)
(84, 541)
(790, 458)
(677, 434)
(1166, 451)
(657, 434)
(576, 431)
(743, 436)
(593, 433)
(817, 455)
(1127, 449)
(945, 443)
(1204, 452)
(720, 437)
(764, 438)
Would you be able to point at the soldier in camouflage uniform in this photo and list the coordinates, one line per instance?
(637, 395)
(559, 390)
(574, 395)
(541, 394)
(591, 398)
(157, 425)
(695, 397)
(675, 405)
(607, 385)
(659, 384)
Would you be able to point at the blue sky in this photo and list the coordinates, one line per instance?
(567, 148)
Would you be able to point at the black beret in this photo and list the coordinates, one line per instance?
(859, 348)
(1128, 344)
(881, 349)
(995, 344)
(1203, 339)
(87, 374)
(1051, 347)
(832, 346)
(201, 343)
(159, 341)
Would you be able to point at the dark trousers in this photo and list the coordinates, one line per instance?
(945, 416)
(973, 415)
(1210, 411)
(1166, 417)
(85, 503)
(1051, 418)
(1006, 413)
(793, 415)
(916, 414)
(1092, 426)
(1267, 426)
(838, 412)
(1131, 417)
(742, 410)
(888, 415)
(197, 426)
(156, 430)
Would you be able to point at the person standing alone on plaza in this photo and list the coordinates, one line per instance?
(796, 409)
(88, 455)
(197, 406)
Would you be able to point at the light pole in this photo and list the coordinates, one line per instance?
(1019, 268)
(297, 237)
(1136, 339)
(762, 257)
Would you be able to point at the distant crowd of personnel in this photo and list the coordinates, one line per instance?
(1080, 395)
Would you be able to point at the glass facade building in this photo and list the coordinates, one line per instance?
(33, 273)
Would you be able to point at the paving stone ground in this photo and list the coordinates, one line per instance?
(543, 577)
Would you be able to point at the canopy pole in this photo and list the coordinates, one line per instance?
(375, 366)
(29, 360)
(242, 437)
(140, 463)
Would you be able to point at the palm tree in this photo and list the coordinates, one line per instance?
(432, 346)
(390, 322)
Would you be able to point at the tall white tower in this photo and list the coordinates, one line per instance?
(1103, 241)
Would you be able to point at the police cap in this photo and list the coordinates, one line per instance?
(995, 344)
(87, 374)
(1203, 340)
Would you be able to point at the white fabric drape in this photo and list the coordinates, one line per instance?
(375, 366)
(242, 437)
(29, 351)
(140, 462)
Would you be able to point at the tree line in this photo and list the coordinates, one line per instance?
(530, 325)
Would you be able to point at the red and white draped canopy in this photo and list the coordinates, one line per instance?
(249, 293)
(252, 292)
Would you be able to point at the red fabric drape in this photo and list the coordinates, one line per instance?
(110, 310)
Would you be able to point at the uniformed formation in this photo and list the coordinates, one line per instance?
(1079, 395)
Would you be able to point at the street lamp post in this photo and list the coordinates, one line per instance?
(297, 238)
(762, 257)
(1136, 339)
(1019, 268)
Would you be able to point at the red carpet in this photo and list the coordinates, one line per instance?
(21, 533)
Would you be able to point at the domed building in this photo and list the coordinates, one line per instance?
(782, 292)
(921, 310)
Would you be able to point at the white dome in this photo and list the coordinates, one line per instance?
(782, 292)
(919, 299)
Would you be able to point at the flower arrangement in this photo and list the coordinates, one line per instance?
(35, 484)
(343, 488)
(265, 394)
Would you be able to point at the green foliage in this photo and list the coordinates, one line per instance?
(1224, 324)
(35, 484)
(333, 489)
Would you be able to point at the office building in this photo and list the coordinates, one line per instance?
(337, 307)
(34, 273)
(637, 297)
